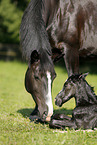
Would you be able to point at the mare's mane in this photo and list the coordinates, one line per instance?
(76, 77)
(33, 32)
(83, 88)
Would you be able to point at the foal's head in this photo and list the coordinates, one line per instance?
(68, 91)
(76, 86)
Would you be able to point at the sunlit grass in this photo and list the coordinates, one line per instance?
(16, 105)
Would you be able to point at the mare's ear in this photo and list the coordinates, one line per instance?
(34, 56)
(83, 75)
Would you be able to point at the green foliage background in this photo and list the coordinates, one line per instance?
(11, 12)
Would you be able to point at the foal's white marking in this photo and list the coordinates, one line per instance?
(49, 97)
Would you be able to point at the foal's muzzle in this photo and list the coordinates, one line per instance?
(58, 101)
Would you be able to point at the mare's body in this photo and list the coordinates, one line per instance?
(72, 28)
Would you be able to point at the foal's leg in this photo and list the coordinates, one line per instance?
(62, 121)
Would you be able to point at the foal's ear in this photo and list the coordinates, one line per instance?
(83, 75)
(34, 56)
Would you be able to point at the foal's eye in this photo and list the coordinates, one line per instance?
(68, 87)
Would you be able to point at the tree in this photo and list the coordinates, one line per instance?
(11, 12)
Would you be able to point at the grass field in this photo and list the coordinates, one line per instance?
(16, 105)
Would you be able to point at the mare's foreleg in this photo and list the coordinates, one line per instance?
(71, 58)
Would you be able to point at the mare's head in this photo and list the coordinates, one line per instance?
(39, 78)
(76, 86)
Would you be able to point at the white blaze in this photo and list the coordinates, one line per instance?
(49, 97)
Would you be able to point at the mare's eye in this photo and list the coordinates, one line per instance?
(36, 77)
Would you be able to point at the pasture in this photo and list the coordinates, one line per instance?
(16, 105)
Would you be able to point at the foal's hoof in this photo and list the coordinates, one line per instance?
(55, 124)
(52, 123)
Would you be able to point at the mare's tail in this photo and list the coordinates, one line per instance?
(33, 35)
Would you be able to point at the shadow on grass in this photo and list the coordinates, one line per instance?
(27, 111)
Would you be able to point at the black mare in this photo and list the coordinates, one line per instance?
(72, 29)
(69, 29)
(84, 114)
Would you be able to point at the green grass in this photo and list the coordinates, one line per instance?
(16, 105)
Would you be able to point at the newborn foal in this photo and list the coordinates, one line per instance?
(85, 113)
